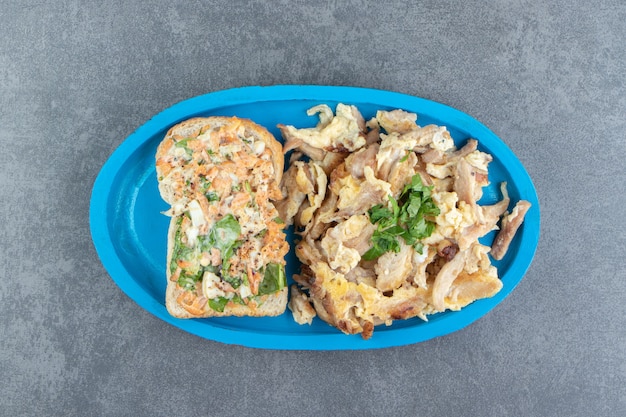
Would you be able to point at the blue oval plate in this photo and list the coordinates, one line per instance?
(129, 231)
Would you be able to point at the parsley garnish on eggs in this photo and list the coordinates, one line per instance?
(405, 217)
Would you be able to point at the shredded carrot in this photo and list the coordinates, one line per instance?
(164, 166)
(195, 145)
(184, 264)
(274, 192)
(228, 166)
(247, 159)
(274, 245)
(239, 202)
(193, 304)
(176, 274)
(208, 210)
(254, 278)
(165, 147)
(212, 173)
(222, 184)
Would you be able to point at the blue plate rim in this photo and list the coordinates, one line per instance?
(103, 241)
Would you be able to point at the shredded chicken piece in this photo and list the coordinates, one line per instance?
(344, 244)
(357, 161)
(465, 182)
(446, 276)
(323, 217)
(393, 268)
(468, 148)
(357, 196)
(401, 171)
(294, 196)
(488, 217)
(299, 144)
(467, 288)
(510, 223)
(340, 133)
(305, 184)
(392, 150)
(331, 161)
(303, 311)
(315, 189)
(396, 121)
(308, 252)
(359, 275)
(433, 156)
(420, 262)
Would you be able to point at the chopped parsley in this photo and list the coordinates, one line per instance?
(188, 282)
(183, 144)
(405, 217)
(212, 196)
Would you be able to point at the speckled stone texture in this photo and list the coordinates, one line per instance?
(76, 78)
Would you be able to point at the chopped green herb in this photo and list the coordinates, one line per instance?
(381, 214)
(235, 282)
(273, 279)
(419, 248)
(183, 144)
(406, 218)
(180, 251)
(224, 233)
(218, 304)
(238, 300)
(405, 157)
(188, 282)
(204, 184)
(212, 196)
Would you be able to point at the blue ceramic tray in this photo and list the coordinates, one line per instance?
(129, 231)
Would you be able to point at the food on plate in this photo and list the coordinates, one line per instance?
(388, 219)
(509, 225)
(226, 244)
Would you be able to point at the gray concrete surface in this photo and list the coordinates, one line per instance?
(76, 78)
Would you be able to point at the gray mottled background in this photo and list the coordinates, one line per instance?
(76, 78)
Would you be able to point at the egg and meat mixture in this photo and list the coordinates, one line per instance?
(388, 219)
(229, 244)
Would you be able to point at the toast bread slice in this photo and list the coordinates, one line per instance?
(271, 304)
